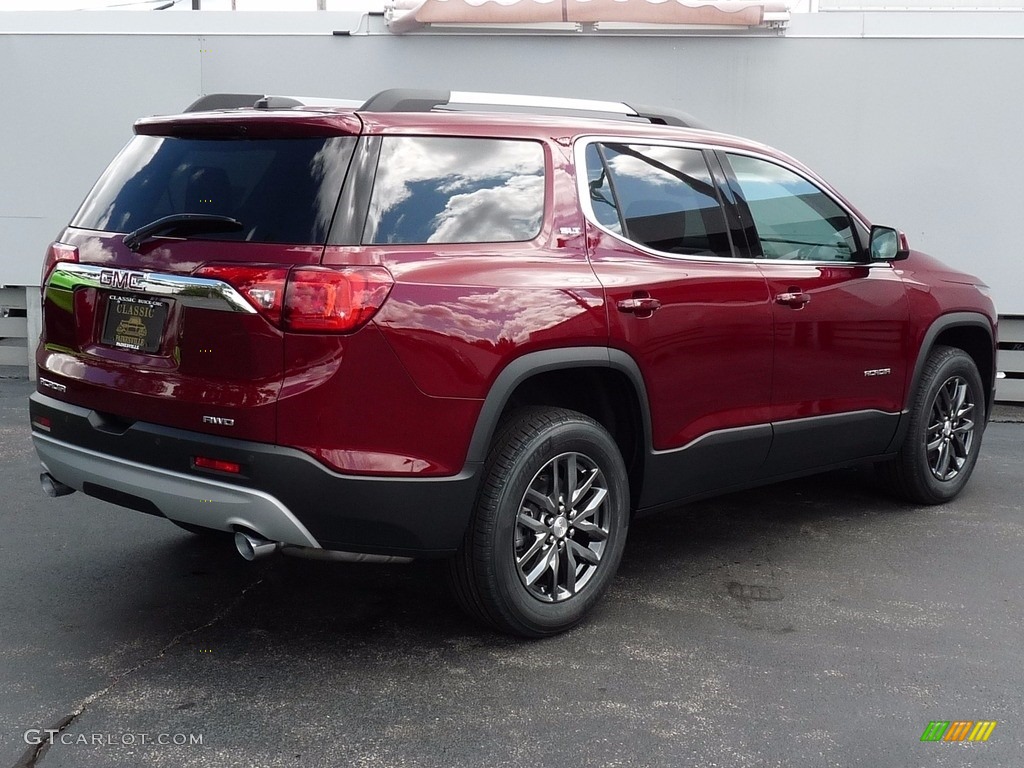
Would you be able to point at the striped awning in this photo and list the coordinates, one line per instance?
(408, 15)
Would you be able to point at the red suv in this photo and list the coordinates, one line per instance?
(433, 327)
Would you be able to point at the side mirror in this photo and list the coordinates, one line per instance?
(887, 244)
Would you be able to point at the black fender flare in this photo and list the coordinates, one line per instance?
(940, 324)
(522, 368)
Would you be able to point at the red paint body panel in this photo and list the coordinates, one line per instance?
(348, 401)
(706, 354)
(855, 322)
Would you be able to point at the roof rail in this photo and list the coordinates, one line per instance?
(413, 100)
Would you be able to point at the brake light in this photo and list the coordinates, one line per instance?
(56, 253)
(334, 300)
(263, 287)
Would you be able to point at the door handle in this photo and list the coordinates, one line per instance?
(794, 298)
(642, 304)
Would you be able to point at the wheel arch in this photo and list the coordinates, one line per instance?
(970, 331)
(600, 382)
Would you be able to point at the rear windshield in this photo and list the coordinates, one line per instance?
(282, 190)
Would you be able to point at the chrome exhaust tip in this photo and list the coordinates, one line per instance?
(53, 487)
(251, 547)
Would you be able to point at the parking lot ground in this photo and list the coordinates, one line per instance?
(812, 623)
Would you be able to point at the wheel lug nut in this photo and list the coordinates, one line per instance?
(551, 539)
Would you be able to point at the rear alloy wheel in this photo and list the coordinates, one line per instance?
(944, 435)
(550, 524)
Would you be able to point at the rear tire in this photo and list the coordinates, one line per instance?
(943, 439)
(549, 527)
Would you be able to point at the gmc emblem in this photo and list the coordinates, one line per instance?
(123, 279)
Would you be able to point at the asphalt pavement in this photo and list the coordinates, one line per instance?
(812, 623)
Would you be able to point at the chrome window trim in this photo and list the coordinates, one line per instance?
(188, 290)
(583, 192)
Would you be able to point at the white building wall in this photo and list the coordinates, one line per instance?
(916, 117)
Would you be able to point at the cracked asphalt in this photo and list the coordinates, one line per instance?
(813, 623)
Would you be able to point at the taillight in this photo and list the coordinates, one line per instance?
(308, 299)
(57, 252)
(334, 300)
(262, 286)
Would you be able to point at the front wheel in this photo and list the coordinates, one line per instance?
(550, 524)
(943, 438)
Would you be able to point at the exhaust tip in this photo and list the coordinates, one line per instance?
(53, 487)
(251, 547)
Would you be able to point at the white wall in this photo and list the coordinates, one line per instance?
(916, 117)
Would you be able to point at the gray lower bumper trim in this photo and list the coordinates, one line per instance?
(187, 499)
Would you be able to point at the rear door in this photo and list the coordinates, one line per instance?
(182, 327)
(695, 318)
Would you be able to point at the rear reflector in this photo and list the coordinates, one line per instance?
(218, 465)
(57, 252)
(334, 300)
(43, 422)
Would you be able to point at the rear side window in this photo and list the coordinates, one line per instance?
(282, 190)
(456, 190)
(659, 196)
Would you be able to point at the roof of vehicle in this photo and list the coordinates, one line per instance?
(415, 112)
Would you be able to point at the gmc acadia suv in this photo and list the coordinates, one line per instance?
(427, 327)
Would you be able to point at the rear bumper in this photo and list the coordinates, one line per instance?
(282, 494)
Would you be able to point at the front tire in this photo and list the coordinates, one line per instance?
(943, 439)
(549, 527)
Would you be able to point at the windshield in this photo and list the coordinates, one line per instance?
(281, 190)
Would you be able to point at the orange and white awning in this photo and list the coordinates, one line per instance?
(408, 15)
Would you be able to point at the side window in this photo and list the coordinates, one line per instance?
(794, 219)
(456, 190)
(663, 197)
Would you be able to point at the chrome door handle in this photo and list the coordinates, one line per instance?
(793, 299)
(641, 306)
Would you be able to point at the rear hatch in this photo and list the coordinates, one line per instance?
(163, 299)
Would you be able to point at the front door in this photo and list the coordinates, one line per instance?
(840, 322)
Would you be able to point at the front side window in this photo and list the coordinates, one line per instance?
(794, 219)
(456, 190)
(281, 190)
(661, 197)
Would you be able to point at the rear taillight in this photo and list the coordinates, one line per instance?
(262, 286)
(334, 300)
(57, 252)
(308, 299)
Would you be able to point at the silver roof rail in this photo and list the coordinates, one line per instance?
(413, 100)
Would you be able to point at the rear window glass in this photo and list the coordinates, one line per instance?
(660, 196)
(456, 190)
(282, 190)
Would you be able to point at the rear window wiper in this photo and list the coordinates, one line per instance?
(182, 224)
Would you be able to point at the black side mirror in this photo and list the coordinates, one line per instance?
(887, 244)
